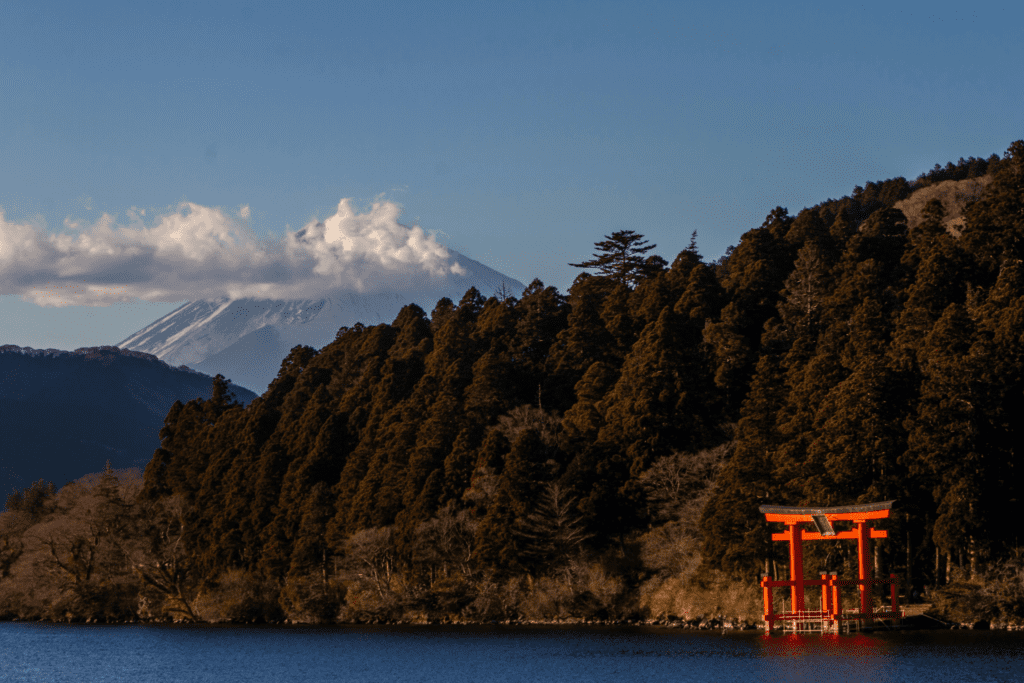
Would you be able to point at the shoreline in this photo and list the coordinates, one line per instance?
(921, 622)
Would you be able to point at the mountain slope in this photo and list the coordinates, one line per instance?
(65, 413)
(245, 339)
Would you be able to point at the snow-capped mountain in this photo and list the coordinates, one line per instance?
(246, 339)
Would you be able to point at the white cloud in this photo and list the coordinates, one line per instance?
(198, 252)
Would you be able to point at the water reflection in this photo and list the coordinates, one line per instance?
(798, 657)
(916, 656)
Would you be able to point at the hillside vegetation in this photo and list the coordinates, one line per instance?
(595, 454)
(64, 414)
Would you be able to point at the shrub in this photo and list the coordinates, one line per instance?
(305, 599)
(241, 597)
(681, 597)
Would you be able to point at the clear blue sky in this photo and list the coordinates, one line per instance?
(521, 131)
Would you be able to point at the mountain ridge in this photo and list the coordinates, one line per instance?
(65, 413)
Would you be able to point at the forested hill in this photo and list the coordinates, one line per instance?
(63, 414)
(862, 360)
(619, 438)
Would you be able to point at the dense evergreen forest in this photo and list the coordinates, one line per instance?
(596, 454)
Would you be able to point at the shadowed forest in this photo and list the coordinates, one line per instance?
(599, 454)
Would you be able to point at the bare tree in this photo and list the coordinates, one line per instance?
(447, 542)
(504, 292)
(678, 487)
(163, 565)
(674, 483)
(78, 548)
(370, 554)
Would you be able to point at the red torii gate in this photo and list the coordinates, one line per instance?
(831, 607)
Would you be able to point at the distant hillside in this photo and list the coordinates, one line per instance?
(65, 413)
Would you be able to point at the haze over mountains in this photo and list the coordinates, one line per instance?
(64, 414)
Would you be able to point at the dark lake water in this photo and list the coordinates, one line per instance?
(451, 654)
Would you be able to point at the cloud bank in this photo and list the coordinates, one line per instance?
(197, 252)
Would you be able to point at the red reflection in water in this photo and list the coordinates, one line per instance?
(803, 658)
(799, 645)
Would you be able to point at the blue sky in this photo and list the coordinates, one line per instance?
(519, 133)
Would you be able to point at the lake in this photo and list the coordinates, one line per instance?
(475, 654)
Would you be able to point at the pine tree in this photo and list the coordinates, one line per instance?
(553, 531)
(519, 484)
(811, 372)
(308, 592)
(620, 256)
(582, 423)
(998, 362)
(872, 267)
(540, 316)
(757, 271)
(418, 511)
(585, 340)
(664, 399)
(496, 380)
(734, 540)
(944, 442)
(310, 549)
(861, 438)
(806, 291)
(994, 229)
(459, 463)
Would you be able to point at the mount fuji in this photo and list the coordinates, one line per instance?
(245, 339)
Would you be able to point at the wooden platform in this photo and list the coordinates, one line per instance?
(916, 610)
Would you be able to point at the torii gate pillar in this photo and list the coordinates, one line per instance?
(865, 575)
(796, 566)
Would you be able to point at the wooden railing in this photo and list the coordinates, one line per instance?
(831, 612)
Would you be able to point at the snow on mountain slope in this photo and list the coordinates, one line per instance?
(246, 339)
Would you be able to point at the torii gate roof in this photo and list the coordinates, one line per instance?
(783, 513)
